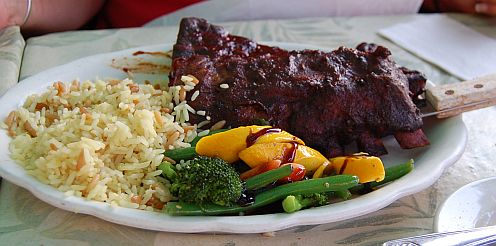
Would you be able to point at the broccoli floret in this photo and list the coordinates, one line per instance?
(295, 203)
(204, 180)
(168, 170)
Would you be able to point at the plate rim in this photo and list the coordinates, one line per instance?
(229, 224)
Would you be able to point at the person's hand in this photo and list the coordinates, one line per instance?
(11, 12)
(47, 15)
(486, 7)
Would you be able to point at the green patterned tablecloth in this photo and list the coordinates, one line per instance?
(25, 220)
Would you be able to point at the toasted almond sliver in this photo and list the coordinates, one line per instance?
(83, 110)
(100, 151)
(171, 139)
(40, 106)
(119, 158)
(88, 119)
(158, 118)
(133, 87)
(182, 94)
(169, 160)
(92, 184)
(150, 201)
(29, 129)
(165, 110)
(51, 117)
(114, 82)
(194, 79)
(60, 87)
(11, 133)
(188, 128)
(53, 147)
(81, 160)
(136, 199)
(159, 205)
(10, 119)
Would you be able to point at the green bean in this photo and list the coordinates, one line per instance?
(197, 138)
(263, 179)
(181, 153)
(343, 194)
(331, 183)
(391, 174)
(395, 172)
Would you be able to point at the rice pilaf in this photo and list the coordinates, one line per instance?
(102, 140)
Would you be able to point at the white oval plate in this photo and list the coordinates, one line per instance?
(448, 138)
(472, 206)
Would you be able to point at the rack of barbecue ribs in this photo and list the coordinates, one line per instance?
(329, 99)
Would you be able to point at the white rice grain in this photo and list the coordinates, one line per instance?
(203, 133)
(195, 95)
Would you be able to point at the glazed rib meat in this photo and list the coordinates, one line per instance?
(329, 99)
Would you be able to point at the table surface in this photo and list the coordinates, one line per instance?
(28, 221)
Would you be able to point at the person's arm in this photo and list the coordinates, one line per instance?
(48, 15)
(484, 7)
(487, 7)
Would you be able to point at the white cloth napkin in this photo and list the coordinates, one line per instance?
(456, 48)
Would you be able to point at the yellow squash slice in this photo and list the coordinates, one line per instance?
(227, 145)
(264, 152)
(366, 168)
